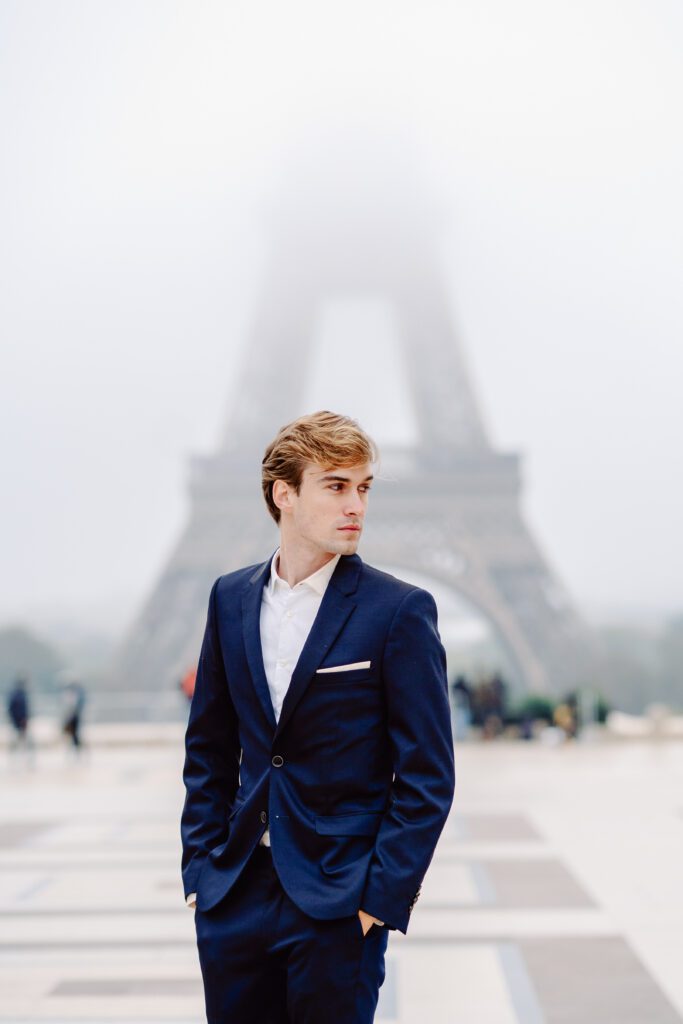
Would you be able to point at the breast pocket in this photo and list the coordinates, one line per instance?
(349, 675)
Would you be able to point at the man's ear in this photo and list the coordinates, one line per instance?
(281, 495)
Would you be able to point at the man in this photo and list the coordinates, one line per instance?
(319, 758)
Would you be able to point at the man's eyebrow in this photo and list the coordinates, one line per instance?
(342, 479)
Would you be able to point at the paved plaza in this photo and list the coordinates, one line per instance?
(556, 895)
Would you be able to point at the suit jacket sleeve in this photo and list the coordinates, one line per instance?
(212, 756)
(419, 726)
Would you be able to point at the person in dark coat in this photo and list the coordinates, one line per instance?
(461, 696)
(74, 702)
(19, 714)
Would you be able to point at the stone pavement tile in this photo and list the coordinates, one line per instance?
(100, 929)
(531, 884)
(452, 883)
(93, 833)
(539, 883)
(463, 984)
(18, 833)
(585, 980)
(435, 925)
(450, 851)
(133, 1009)
(21, 887)
(104, 858)
(92, 891)
(492, 827)
(116, 987)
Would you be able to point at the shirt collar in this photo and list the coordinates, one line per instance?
(317, 581)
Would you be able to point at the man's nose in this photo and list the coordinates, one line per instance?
(355, 506)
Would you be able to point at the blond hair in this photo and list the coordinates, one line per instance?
(324, 438)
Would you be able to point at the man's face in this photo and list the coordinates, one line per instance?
(328, 512)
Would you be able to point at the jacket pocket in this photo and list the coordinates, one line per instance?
(345, 675)
(365, 824)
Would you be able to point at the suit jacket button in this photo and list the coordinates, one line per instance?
(278, 761)
(264, 817)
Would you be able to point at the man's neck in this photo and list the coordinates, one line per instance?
(297, 564)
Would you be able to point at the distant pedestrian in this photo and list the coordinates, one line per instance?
(187, 683)
(564, 719)
(19, 714)
(496, 711)
(461, 696)
(499, 696)
(74, 702)
(572, 702)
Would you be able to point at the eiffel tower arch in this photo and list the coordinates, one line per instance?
(446, 504)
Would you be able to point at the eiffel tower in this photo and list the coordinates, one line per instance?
(451, 510)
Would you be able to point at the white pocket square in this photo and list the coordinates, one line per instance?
(344, 668)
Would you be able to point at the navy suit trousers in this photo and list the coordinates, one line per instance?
(264, 961)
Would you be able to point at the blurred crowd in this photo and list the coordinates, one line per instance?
(482, 709)
(19, 715)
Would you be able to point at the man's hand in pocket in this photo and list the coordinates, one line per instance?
(367, 921)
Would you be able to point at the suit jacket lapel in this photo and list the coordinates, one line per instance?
(335, 608)
(251, 628)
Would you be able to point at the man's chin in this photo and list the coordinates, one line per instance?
(346, 545)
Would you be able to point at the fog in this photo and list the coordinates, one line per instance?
(144, 151)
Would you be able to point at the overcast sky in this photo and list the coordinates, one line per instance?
(142, 144)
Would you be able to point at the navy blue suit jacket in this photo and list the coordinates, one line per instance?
(356, 779)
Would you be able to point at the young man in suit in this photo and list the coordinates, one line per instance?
(319, 758)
